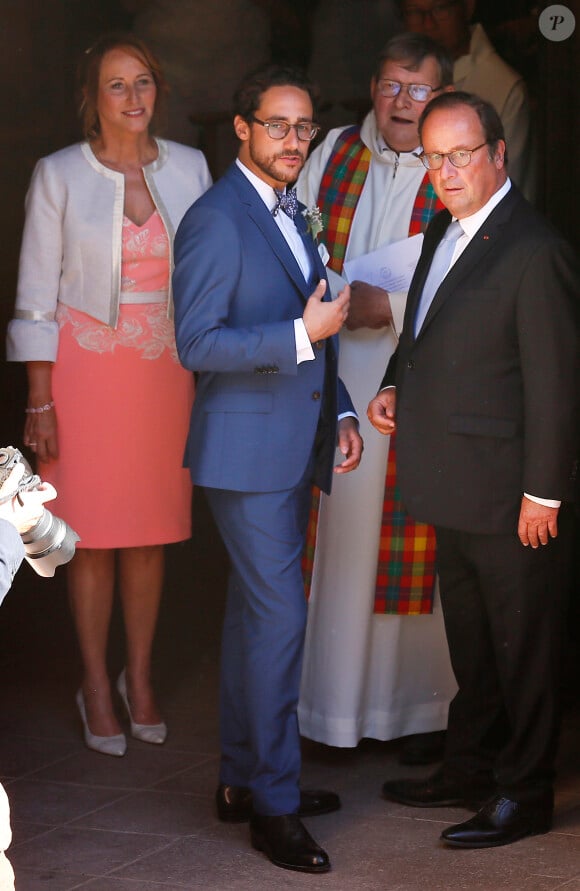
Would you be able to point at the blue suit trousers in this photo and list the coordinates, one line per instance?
(263, 641)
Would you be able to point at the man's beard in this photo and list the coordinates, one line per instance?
(268, 165)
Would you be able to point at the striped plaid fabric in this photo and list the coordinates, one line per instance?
(406, 562)
(406, 566)
(340, 189)
(426, 205)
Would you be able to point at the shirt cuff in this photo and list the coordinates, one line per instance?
(304, 351)
(348, 414)
(547, 502)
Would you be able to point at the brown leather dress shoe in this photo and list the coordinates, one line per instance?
(502, 821)
(285, 841)
(438, 790)
(234, 803)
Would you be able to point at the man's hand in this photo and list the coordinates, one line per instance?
(381, 411)
(537, 523)
(370, 307)
(321, 318)
(350, 444)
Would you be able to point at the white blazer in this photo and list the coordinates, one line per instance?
(71, 246)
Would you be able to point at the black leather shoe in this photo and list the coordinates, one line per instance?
(285, 841)
(314, 802)
(234, 803)
(438, 790)
(423, 748)
(501, 821)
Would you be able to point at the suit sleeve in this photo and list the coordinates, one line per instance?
(389, 377)
(206, 285)
(547, 331)
(345, 403)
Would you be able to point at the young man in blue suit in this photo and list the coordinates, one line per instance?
(254, 319)
(485, 381)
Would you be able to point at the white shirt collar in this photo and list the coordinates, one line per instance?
(265, 191)
(472, 223)
(286, 225)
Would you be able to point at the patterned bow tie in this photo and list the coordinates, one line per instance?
(287, 201)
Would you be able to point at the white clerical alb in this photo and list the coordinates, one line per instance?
(437, 271)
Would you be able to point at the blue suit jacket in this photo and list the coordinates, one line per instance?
(237, 291)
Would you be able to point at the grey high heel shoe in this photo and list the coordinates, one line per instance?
(149, 733)
(106, 745)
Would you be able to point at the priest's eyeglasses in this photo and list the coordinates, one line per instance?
(419, 92)
(440, 12)
(459, 158)
(305, 130)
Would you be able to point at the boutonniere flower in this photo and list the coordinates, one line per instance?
(314, 223)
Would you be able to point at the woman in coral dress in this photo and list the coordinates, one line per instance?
(108, 403)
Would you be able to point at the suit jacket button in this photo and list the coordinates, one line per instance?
(319, 344)
(410, 363)
(316, 395)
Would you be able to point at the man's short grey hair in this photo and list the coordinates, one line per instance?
(410, 50)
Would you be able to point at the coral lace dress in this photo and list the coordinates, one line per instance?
(122, 404)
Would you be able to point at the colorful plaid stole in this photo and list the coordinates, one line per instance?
(340, 188)
(406, 564)
(406, 561)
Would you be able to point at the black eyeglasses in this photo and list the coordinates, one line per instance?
(305, 130)
(440, 12)
(419, 92)
(459, 157)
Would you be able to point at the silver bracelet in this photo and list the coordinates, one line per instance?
(40, 409)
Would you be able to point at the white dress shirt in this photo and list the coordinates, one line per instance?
(304, 351)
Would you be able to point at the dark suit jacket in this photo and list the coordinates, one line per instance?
(237, 291)
(487, 395)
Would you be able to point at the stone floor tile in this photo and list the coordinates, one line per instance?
(44, 879)
(194, 863)
(23, 830)
(20, 755)
(142, 767)
(56, 803)
(156, 813)
(110, 883)
(83, 853)
(201, 779)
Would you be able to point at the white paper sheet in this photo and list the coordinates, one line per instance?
(390, 267)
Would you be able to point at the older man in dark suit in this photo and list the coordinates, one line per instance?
(486, 387)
